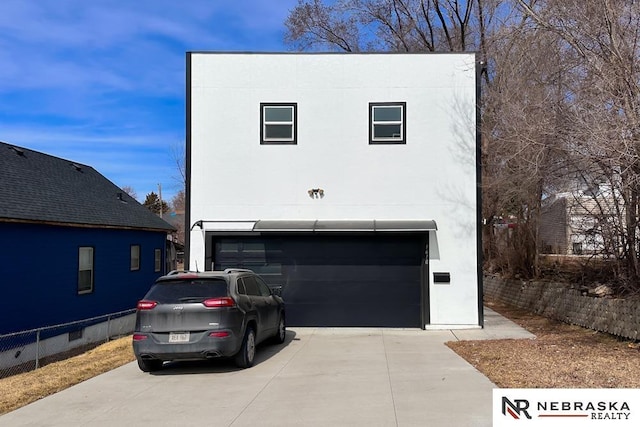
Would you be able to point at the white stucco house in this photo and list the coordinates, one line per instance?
(350, 180)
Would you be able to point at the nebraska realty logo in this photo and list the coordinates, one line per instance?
(532, 407)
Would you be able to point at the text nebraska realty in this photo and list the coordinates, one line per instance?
(598, 410)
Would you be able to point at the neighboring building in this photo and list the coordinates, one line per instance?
(351, 180)
(574, 223)
(74, 245)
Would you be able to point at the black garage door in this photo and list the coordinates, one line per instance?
(335, 280)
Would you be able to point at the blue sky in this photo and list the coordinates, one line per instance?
(102, 82)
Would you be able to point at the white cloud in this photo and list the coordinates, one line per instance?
(102, 82)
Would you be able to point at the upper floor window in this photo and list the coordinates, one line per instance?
(387, 122)
(278, 123)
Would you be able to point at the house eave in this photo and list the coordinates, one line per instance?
(80, 225)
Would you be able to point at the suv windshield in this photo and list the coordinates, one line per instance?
(187, 290)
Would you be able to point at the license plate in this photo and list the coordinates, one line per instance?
(178, 337)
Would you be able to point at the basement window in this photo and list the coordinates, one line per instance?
(278, 123)
(387, 122)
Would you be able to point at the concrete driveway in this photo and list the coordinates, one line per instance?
(319, 377)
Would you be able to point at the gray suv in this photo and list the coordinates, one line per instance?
(205, 315)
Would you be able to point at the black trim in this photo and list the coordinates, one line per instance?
(187, 189)
(404, 123)
(249, 52)
(425, 308)
(480, 68)
(295, 123)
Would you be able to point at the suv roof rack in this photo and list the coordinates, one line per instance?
(174, 272)
(237, 270)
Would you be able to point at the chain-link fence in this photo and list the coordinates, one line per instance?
(28, 350)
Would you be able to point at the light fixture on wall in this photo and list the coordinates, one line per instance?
(316, 193)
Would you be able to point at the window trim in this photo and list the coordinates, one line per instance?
(293, 123)
(132, 266)
(92, 270)
(157, 260)
(403, 123)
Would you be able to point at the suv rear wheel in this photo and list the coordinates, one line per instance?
(244, 358)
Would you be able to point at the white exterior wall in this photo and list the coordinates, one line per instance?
(432, 176)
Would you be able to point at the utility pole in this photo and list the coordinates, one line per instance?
(160, 197)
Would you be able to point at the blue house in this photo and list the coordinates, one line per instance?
(74, 245)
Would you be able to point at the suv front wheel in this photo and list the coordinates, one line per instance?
(281, 333)
(244, 358)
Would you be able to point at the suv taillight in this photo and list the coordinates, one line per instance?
(219, 302)
(146, 305)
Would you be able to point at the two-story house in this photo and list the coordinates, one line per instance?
(350, 180)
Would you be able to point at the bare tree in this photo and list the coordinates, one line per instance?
(178, 202)
(601, 39)
(130, 191)
(560, 104)
(391, 25)
(179, 158)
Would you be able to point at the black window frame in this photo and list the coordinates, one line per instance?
(403, 124)
(294, 124)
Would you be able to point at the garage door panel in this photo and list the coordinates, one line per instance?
(347, 292)
(338, 280)
(359, 315)
(363, 273)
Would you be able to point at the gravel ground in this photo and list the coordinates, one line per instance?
(561, 356)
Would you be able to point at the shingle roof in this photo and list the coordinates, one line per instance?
(38, 187)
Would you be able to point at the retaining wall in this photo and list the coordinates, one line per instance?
(619, 317)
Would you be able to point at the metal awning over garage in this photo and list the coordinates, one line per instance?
(372, 225)
(320, 226)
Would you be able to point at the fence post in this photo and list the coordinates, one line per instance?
(108, 328)
(37, 348)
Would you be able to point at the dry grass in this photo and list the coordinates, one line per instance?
(562, 356)
(19, 390)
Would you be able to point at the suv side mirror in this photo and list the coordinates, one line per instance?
(276, 290)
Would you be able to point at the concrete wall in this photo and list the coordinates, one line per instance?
(555, 300)
(22, 349)
(433, 176)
